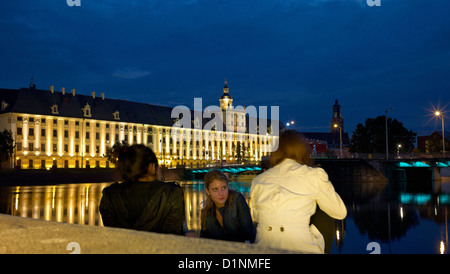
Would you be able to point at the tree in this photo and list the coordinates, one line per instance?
(112, 153)
(6, 145)
(371, 137)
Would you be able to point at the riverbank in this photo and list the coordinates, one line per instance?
(30, 236)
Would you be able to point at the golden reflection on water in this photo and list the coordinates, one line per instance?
(78, 203)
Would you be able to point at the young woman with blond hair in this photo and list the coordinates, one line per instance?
(225, 214)
(286, 196)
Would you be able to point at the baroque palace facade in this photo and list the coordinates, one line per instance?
(62, 129)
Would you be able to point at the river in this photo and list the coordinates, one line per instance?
(382, 217)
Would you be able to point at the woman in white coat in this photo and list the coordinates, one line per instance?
(285, 197)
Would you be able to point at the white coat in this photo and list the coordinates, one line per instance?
(284, 198)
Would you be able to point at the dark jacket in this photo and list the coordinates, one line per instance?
(150, 206)
(237, 221)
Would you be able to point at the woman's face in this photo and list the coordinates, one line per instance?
(218, 191)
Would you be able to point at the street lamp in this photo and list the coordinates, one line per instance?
(291, 123)
(340, 138)
(441, 115)
(387, 143)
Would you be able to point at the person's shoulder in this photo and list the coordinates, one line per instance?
(238, 194)
(319, 173)
(111, 187)
(170, 186)
(310, 171)
(237, 197)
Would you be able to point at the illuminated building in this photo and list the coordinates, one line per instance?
(68, 130)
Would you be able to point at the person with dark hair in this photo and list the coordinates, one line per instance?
(286, 198)
(141, 201)
(225, 214)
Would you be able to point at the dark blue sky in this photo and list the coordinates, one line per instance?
(299, 55)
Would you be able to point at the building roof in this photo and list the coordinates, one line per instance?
(40, 102)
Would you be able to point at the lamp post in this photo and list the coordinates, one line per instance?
(340, 138)
(441, 115)
(387, 142)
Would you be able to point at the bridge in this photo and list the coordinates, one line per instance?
(420, 173)
(417, 174)
(349, 163)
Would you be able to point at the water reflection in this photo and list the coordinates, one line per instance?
(400, 222)
(68, 203)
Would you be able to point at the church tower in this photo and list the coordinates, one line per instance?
(336, 119)
(233, 118)
(225, 101)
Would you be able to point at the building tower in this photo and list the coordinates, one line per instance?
(233, 117)
(226, 101)
(337, 118)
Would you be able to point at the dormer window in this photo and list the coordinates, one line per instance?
(54, 109)
(116, 115)
(176, 122)
(87, 110)
(4, 105)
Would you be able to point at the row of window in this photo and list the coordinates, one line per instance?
(97, 125)
(97, 149)
(77, 123)
(55, 148)
(31, 132)
(66, 133)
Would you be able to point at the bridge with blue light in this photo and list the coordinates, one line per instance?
(229, 169)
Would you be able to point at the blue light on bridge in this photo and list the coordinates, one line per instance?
(420, 164)
(444, 198)
(404, 164)
(439, 164)
(229, 169)
(413, 164)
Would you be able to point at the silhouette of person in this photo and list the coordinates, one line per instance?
(142, 202)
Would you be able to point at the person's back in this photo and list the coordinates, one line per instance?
(283, 200)
(285, 197)
(149, 206)
(142, 202)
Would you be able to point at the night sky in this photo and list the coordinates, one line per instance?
(300, 55)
